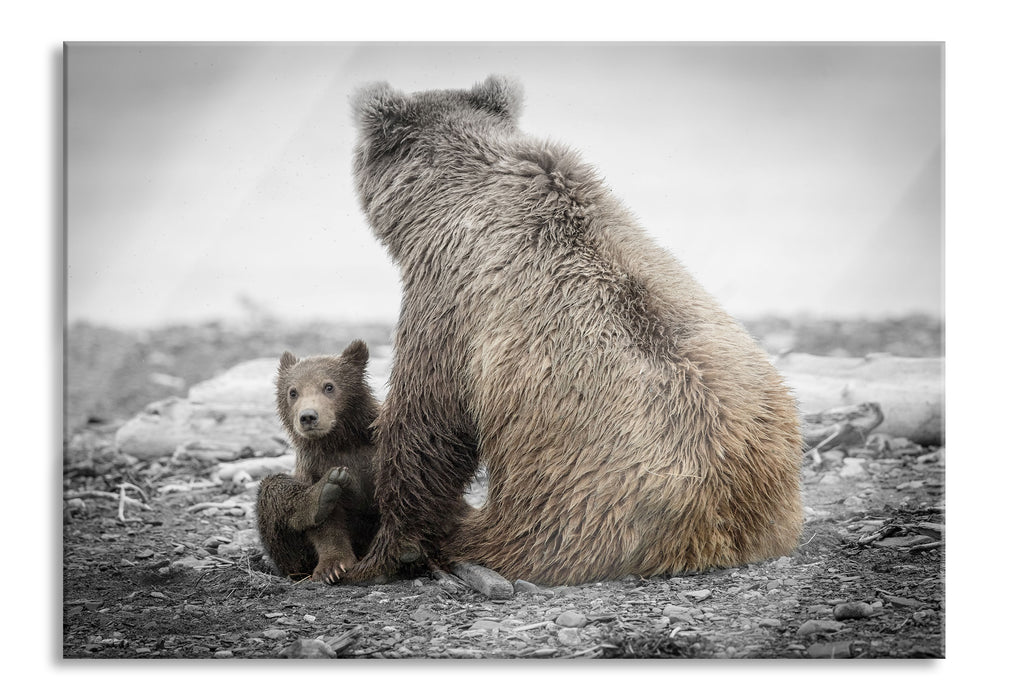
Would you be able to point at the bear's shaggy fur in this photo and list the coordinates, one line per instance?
(319, 520)
(628, 424)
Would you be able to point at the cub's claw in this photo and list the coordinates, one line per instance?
(329, 573)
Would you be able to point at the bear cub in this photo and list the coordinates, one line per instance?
(319, 520)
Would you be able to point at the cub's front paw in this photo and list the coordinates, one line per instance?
(333, 486)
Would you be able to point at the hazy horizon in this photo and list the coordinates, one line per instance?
(791, 179)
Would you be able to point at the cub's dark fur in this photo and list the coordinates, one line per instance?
(319, 520)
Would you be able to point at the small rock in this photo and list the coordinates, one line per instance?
(488, 625)
(923, 615)
(905, 541)
(309, 618)
(569, 636)
(571, 618)
(829, 479)
(830, 650)
(852, 611)
(769, 622)
(815, 626)
(833, 457)
(854, 468)
(900, 602)
(698, 596)
(484, 580)
(246, 538)
(423, 614)
(307, 649)
(854, 502)
(224, 654)
(526, 587)
(274, 633)
(230, 551)
(212, 543)
(678, 613)
(447, 580)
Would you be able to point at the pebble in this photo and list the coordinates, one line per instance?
(423, 614)
(769, 622)
(212, 543)
(569, 636)
(526, 587)
(903, 541)
(678, 612)
(833, 457)
(230, 551)
(830, 650)
(854, 468)
(852, 611)
(489, 625)
(224, 654)
(484, 580)
(246, 538)
(307, 649)
(274, 633)
(816, 626)
(702, 594)
(571, 618)
(901, 602)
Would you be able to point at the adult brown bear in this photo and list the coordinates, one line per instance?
(629, 425)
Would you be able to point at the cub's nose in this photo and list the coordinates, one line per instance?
(309, 418)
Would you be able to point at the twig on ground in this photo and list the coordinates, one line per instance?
(107, 495)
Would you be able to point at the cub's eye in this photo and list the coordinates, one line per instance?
(292, 393)
(328, 387)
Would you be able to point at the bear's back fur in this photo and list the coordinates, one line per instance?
(629, 425)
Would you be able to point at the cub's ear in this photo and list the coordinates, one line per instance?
(287, 360)
(375, 106)
(500, 94)
(356, 353)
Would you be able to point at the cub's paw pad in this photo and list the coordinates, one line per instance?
(332, 490)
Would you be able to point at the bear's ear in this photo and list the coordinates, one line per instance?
(499, 94)
(287, 360)
(356, 353)
(376, 106)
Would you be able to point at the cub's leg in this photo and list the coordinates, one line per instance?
(286, 508)
(332, 543)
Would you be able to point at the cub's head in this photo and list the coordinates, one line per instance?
(325, 395)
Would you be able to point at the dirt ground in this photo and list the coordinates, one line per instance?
(176, 571)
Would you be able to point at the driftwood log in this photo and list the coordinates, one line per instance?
(909, 392)
(234, 413)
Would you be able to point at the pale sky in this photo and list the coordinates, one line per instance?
(789, 178)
